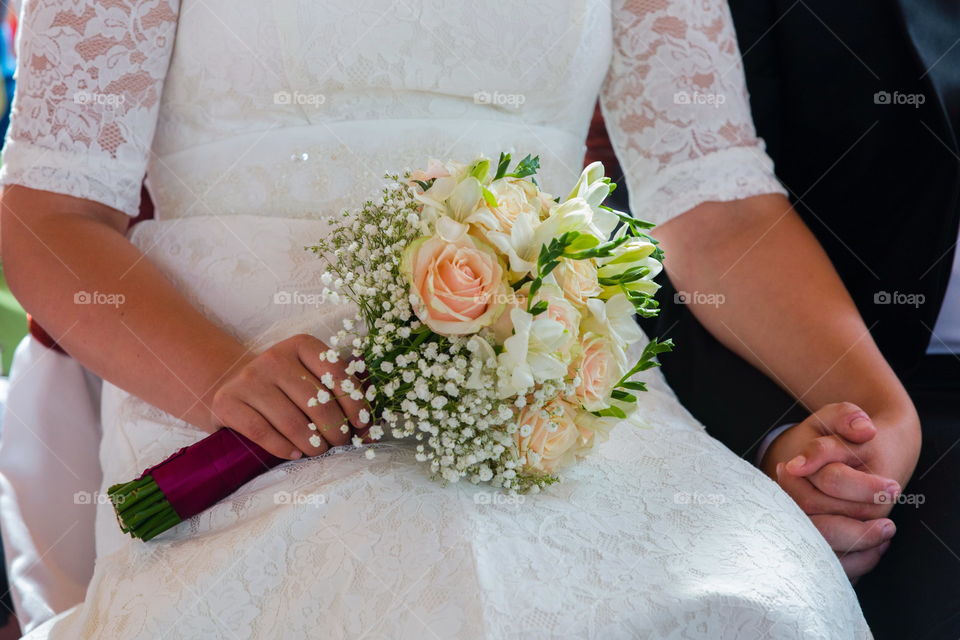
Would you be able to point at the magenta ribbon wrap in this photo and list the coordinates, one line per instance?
(197, 477)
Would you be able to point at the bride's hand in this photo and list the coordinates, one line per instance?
(266, 399)
(826, 465)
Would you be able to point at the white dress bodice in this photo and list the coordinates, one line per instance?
(252, 120)
(294, 108)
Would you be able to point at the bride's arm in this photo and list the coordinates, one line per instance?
(59, 251)
(81, 130)
(787, 313)
(69, 264)
(676, 106)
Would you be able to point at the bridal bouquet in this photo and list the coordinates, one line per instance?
(492, 328)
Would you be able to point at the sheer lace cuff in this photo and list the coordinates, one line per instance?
(80, 175)
(721, 176)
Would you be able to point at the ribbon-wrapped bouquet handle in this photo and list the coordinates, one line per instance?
(190, 481)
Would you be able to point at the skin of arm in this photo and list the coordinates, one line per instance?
(787, 313)
(785, 309)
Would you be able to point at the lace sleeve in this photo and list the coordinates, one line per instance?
(89, 77)
(676, 105)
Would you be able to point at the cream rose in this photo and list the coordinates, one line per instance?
(461, 284)
(578, 280)
(548, 436)
(601, 365)
(514, 198)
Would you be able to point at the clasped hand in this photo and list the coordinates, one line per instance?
(846, 474)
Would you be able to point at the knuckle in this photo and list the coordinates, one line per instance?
(831, 479)
(818, 447)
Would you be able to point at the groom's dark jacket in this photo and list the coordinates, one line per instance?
(858, 102)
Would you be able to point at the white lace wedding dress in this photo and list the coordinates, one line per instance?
(253, 120)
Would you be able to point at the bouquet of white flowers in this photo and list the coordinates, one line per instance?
(493, 319)
(492, 327)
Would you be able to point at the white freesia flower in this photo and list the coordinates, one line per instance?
(452, 200)
(528, 234)
(594, 189)
(614, 318)
(635, 252)
(532, 355)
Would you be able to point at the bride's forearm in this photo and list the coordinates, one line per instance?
(779, 304)
(70, 265)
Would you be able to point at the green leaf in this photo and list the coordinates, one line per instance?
(634, 385)
(502, 165)
(526, 167)
(611, 412)
(583, 242)
(623, 396)
(535, 287)
(522, 281)
(480, 170)
(425, 185)
(539, 308)
(489, 197)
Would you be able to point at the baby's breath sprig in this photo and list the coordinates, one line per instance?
(436, 390)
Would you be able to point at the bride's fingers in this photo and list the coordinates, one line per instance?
(274, 405)
(859, 563)
(246, 420)
(820, 452)
(328, 419)
(815, 502)
(846, 420)
(842, 481)
(848, 535)
(309, 352)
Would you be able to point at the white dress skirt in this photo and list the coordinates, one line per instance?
(256, 120)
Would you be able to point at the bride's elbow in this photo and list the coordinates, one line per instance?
(40, 229)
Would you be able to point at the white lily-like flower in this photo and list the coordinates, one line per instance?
(631, 254)
(452, 199)
(594, 189)
(614, 318)
(532, 355)
(528, 234)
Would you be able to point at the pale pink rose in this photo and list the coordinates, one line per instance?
(578, 280)
(549, 436)
(461, 284)
(600, 368)
(435, 169)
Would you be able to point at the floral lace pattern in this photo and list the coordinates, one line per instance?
(676, 106)
(269, 115)
(88, 93)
